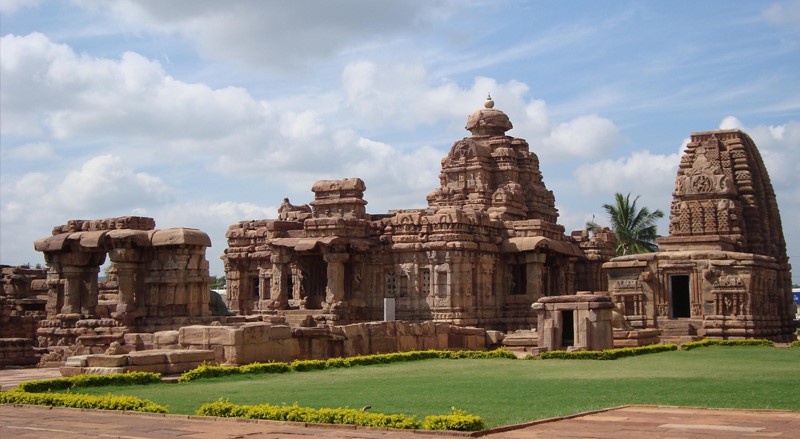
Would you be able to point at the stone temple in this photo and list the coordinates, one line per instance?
(485, 264)
(723, 270)
(487, 246)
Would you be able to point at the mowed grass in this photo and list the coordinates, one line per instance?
(513, 391)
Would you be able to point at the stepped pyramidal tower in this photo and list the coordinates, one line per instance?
(486, 247)
(723, 270)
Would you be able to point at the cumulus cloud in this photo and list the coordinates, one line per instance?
(643, 173)
(50, 90)
(585, 136)
(104, 182)
(280, 37)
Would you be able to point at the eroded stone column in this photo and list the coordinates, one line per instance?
(130, 280)
(279, 296)
(334, 291)
(89, 291)
(72, 289)
(534, 276)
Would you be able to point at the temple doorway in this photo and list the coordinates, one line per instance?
(567, 328)
(680, 297)
(310, 281)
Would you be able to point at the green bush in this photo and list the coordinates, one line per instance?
(108, 402)
(458, 421)
(796, 344)
(295, 413)
(89, 380)
(206, 370)
(610, 354)
(210, 371)
(265, 368)
(306, 365)
(712, 342)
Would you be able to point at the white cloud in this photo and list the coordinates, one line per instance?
(50, 90)
(642, 173)
(35, 151)
(105, 183)
(730, 123)
(583, 137)
(281, 37)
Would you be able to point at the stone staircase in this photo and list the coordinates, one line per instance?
(679, 330)
(296, 317)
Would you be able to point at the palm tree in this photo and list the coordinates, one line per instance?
(635, 229)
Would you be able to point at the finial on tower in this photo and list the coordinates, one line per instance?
(489, 102)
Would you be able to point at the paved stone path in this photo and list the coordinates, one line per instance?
(623, 423)
(10, 377)
(31, 422)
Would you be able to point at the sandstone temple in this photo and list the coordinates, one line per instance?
(485, 264)
(723, 270)
(487, 246)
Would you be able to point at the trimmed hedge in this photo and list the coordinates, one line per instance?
(89, 380)
(610, 354)
(712, 342)
(209, 371)
(295, 413)
(108, 402)
(458, 420)
(796, 344)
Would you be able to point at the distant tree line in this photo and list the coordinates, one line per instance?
(216, 282)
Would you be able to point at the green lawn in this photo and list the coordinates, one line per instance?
(512, 391)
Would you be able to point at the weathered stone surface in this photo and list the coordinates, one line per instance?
(487, 246)
(106, 360)
(581, 322)
(723, 270)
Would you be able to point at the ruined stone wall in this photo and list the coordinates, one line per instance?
(157, 278)
(23, 295)
(263, 342)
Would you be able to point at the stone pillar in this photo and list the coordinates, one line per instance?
(279, 296)
(534, 264)
(264, 286)
(72, 289)
(569, 276)
(130, 280)
(334, 291)
(55, 290)
(89, 291)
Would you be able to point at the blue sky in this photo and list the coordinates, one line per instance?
(204, 113)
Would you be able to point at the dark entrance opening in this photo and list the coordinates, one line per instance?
(315, 279)
(680, 296)
(567, 328)
(519, 279)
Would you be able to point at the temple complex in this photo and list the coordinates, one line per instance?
(723, 270)
(487, 246)
(485, 264)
